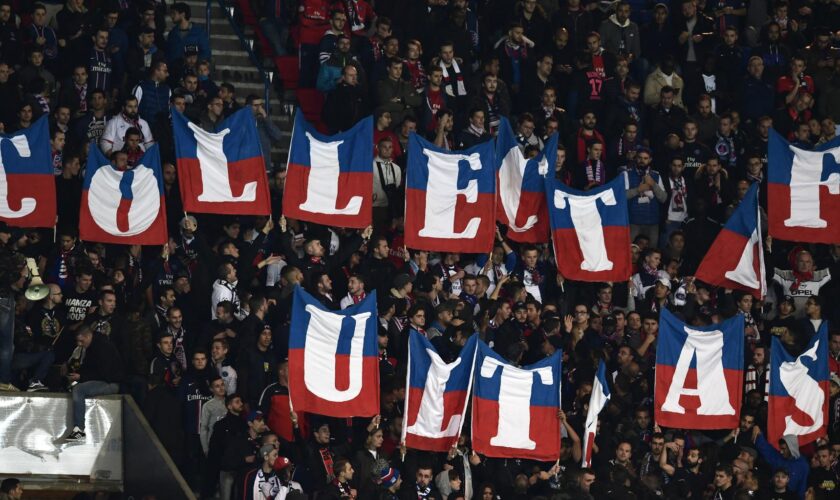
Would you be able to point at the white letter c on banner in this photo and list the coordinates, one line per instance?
(27, 205)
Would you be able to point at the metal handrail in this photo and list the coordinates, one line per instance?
(247, 44)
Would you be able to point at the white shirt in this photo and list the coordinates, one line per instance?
(391, 174)
(806, 289)
(678, 216)
(113, 138)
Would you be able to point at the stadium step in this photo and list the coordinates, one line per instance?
(231, 63)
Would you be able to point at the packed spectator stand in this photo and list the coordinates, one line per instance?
(678, 97)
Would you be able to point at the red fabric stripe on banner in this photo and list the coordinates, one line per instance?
(780, 407)
(453, 404)
(590, 440)
(240, 173)
(41, 187)
(723, 256)
(690, 419)
(569, 255)
(122, 214)
(528, 201)
(544, 432)
(366, 404)
(778, 209)
(350, 184)
(483, 208)
(429, 444)
(89, 230)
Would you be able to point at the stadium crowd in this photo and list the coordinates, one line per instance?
(679, 97)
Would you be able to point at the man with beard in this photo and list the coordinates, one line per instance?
(320, 286)
(645, 195)
(79, 299)
(687, 470)
(113, 139)
(587, 134)
(48, 320)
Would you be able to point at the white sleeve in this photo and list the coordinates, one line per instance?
(106, 142)
(148, 138)
(230, 382)
(204, 429)
(215, 299)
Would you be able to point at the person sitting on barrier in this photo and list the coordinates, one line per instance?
(100, 373)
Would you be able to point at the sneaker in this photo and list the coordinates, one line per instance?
(36, 386)
(76, 435)
(9, 388)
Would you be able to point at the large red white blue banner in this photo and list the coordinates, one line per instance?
(798, 402)
(27, 181)
(514, 413)
(804, 191)
(699, 373)
(590, 230)
(436, 399)
(334, 358)
(330, 178)
(736, 258)
(450, 198)
(521, 189)
(123, 207)
(221, 172)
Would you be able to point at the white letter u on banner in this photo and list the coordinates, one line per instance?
(319, 355)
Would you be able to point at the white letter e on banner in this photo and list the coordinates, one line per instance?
(442, 195)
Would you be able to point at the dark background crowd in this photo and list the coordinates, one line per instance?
(677, 97)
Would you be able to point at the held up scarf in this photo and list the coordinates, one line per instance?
(459, 90)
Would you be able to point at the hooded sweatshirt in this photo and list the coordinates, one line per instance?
(620, 38)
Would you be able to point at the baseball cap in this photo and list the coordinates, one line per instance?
(281, 463)
(389, 476)
(255, 415)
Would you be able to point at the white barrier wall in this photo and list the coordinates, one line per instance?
(32, 429)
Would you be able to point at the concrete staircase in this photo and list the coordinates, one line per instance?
(232, 64)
